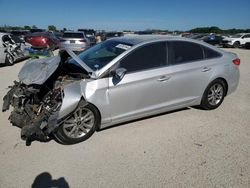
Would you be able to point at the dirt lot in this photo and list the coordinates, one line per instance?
(188, 148)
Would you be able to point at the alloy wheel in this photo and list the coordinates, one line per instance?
(79, 123)
(215, 94)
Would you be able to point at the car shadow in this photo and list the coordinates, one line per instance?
(140, 119)
(2, 65)
(44, 180)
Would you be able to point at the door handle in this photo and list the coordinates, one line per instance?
(206, 69)
(163, 78)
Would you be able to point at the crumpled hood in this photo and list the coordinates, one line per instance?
(37, 71)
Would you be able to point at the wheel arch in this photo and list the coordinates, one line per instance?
(98, 111)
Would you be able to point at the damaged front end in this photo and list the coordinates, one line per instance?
(37, 118)
(38, 97)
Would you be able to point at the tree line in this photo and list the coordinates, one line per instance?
(212, 29)
(26, 27)
(215, 29)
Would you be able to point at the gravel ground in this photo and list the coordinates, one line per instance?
(187, 148)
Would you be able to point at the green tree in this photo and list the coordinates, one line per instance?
(52, 28)
(34, 27)
(214, 29)
(64, 29)
(27, 27)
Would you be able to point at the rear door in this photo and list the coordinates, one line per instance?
(190, 72)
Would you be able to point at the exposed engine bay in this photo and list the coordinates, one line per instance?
(38, 95)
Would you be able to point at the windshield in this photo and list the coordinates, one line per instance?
(101, 54)
(236, 36)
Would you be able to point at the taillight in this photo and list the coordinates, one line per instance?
(83, 40)
(236, 61)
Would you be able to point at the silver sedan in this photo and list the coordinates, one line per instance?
(119, 80)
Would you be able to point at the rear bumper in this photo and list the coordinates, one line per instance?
(234, 80)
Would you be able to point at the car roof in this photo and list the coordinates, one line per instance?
(137, 39)
(39, 34)
(241, 33)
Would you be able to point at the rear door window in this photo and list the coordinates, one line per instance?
(184, 52)
(209, 53)
(146, 57)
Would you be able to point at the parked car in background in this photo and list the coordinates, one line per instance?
(237, 40)
(197, 36)
(90, 34)
(144, 32)
(213, 39)
(37, 30)
(76, 41)
(118, 80)
(109, 35)
(43, 40)
(20, 33)
(11, 49)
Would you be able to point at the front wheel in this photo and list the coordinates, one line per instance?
(236, 44)
(213, 95)
(9, 60)
(79, 126)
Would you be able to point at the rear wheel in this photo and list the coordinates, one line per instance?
(79, 126)
(9, 60)
(213, 95)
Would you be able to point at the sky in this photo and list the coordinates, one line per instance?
(126, 14)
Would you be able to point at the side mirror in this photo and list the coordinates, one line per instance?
(120, 73)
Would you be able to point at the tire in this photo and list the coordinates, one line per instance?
(9, 60)
(76, 128)
(236, 44)
(213, 95)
